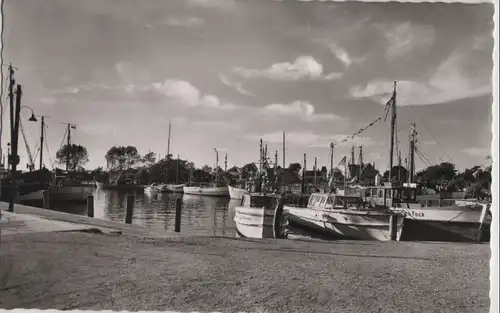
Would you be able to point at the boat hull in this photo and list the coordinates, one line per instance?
(175, 188)
(124, 187)
(346, 224)
(263, 221)
(236, 193)
(70, 193)
(457, 223)
(206, 191)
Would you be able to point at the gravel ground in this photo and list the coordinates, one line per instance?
(77, 270)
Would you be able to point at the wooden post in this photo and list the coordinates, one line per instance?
(46, 199)
(280, 221)
(484, 214)
(130, 209)
(178, 208)
(90, 206)
(393, 227)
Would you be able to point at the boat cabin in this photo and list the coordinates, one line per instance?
(388, 194)
(334, 201)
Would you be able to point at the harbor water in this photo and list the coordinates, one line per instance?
(201, 215)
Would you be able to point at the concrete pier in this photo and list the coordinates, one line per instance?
(136, 270)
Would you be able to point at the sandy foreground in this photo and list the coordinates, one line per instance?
(82, 270)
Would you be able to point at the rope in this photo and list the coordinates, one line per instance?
(441, 146)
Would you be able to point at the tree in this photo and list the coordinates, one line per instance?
(398, 173)
(74, 155)
(436, 175)
(149, 159)
(122, 158)
(248, 170)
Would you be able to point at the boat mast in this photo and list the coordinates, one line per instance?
(168, 144)
(332, 146)
(315, 169)
(284, 170)
(225, 163)
(392, 103)
(216, 165)
(413, 134)
(42, 135)
(177, 171)
(304, 175)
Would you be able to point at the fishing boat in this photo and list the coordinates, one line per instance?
(236, 193)
(205, 189)
(151, 188)
(29, 185)
(175, 188)
(215, 188)
(261, 216)
(428, 219)
(344, 217)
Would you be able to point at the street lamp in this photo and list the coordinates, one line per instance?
(14, 157)
(32, 118)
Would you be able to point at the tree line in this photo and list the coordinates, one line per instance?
(149, 169)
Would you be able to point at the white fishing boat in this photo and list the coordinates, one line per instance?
(206, 189)
(345, 217)
(151, 189)
(427, 218)
(178, 188)
(236, 193)
(434, 219)
(261, 216)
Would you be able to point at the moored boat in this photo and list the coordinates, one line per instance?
(345, 217)
(206, 190)
(236, 193)
(261, 216)
(178, 188)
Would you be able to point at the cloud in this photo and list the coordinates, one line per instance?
(227, 125)
(474, 151)
(339, 52)
(304, 67)
(184, 93)
(216, 4)
(301, 109)
(237, 85)
(187, 22)
(446, 84)
(308, 139)
(408, 37)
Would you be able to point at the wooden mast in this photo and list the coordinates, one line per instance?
(392, 102)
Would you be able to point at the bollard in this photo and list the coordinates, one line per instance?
(90, 206)
(130, 209)
(46, 199)
(178, 207)
(393, 227)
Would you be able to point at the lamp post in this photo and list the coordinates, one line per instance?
(14, 157)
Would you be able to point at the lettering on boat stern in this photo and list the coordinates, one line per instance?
(415, 213)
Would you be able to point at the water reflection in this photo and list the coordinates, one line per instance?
(213, 216)
(201, 215)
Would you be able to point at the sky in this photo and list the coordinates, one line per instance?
(226, 73)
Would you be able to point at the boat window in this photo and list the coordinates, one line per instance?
(329, 200)
(338, 201)
(397, 194)
(368, 192)
(388, 193)
(323, 200)
(380, 193)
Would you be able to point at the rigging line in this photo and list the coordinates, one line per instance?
(422, 159)
(429, 163)
(425, 125)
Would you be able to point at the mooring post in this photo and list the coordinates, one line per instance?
(484, 214)
(393, 227)
(178, 208)
(46, 199)
(90, 206)
(130, 209)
